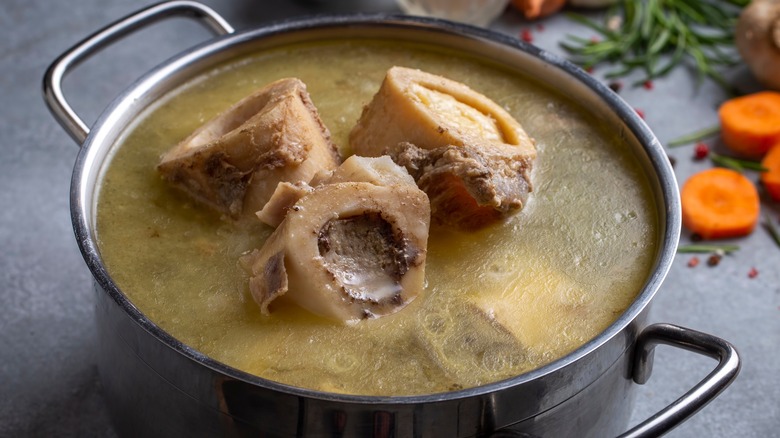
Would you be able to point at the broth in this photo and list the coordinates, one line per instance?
(555, 275)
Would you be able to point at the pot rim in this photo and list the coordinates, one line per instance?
(82, 193)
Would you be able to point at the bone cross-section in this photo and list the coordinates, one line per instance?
(473, 158)
(234, 162)
(351, 248)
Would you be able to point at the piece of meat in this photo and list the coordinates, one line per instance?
(469, 346)
(550, 301)
(234, 162)
(468, 187)
(346, 250)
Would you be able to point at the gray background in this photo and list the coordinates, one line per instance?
(47, 372)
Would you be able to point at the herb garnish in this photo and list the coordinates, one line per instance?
(736, 164)
(639, 35)
(706, 249)
(770, 226)
(695, 136)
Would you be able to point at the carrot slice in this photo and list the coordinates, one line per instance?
(533, 9)
(720, 203)
(771, 178)
(750, 124)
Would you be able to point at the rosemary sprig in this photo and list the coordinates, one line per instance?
(772, 229)
(706, 249)
(695, 136)
(736, 163)
(655, 36)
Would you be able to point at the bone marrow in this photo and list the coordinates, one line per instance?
(366, 255)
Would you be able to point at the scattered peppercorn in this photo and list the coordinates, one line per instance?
(753, 273)
(640, 113)
(648, 84)
(527, 36)
(616, 86)
(701, 151)
(693, 262)
(714, 259)
(594, 40)
(589, 69)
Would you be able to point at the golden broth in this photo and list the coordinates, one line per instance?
(555, 275)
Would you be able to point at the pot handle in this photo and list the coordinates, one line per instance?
(701, 394)
(52, 80)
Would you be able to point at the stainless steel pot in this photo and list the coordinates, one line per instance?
(157, 386)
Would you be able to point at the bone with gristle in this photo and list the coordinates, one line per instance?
(234, 162)
(472, 158)
(379, 171)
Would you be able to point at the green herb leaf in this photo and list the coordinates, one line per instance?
(706, 249)
(770, 226)
(736, 163)
(658, 35)
(695, 136)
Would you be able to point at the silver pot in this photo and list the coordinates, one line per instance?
(157, 386)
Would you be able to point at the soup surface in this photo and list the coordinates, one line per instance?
(498, 302)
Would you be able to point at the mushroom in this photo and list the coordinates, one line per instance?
(758, 40)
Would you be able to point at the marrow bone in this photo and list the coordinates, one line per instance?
(347, 250)
(469, 155)
(234, 162)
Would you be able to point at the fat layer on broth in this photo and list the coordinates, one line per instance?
(559, 272)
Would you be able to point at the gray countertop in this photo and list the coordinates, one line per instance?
(47, 340)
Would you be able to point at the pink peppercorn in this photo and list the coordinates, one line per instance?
(693, 262)
(701, 151)
(753, 273)
(526, 36)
